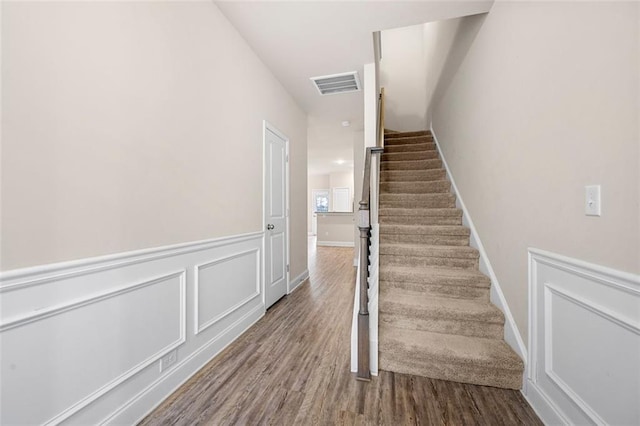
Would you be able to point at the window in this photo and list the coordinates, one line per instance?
(320, 201)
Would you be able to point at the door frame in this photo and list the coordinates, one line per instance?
(268, 126)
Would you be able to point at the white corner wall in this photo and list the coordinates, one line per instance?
(542, 105)
(402, 71)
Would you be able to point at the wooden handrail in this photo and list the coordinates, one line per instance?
(380, 140)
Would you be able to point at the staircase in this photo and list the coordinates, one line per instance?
(435, 317)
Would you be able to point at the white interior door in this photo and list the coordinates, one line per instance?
(276, 212)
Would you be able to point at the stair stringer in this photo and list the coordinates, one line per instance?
(511, 333)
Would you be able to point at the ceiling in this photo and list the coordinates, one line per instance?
(298, 40)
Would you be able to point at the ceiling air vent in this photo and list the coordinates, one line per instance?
(337, 83)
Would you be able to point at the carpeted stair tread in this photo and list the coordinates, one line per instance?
(441, 289)
(420, 212)
(447, 235)
(408, 156)
(406, 134)
(417, 305)
(419, 216)
(422, 255)
(421, 250)
(457, 230)
(417, 201)
(418, 187)
(412, 175)
(411, 147)
(481, 361)
(435, 275)
(412, 140)
(403, 308)
(434, 163)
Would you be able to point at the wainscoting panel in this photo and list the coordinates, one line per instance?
(107, 339)
(214, 299)
(584, 341)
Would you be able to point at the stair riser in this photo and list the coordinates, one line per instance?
(411, 165)
(397, 135)
(418, 261)
(502, 378)
(412, 176)
(415, 187)
(439, 325)
(418, 140)
(430, 204)
(425, 201)
(439, 290)
(451, 231)
(409, 156)
(423, 251)
(440, 240)
(421, 220)
(393, 275)
(413, 147)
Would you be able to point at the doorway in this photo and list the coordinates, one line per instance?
(276, 214)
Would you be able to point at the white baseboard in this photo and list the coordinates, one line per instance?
(511, 333)
(177, 300)
(335, 243)
(295, 283)
(544, 408)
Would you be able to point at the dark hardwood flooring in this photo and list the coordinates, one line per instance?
(292, 368)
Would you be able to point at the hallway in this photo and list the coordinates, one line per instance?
(292, 367)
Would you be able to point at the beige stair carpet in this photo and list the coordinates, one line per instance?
(436, 319)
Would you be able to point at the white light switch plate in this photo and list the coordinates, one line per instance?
(592, 206)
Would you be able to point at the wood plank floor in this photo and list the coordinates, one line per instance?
(292, 368)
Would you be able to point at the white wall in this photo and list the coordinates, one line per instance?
(336, 229)
(341, 180)
(402, 71)
(545, 102)
(147, 135)
(418, 65)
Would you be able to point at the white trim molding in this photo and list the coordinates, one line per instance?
(335, 244)
(295, 283)
(82, 341)
(254, 292)
(511, 333)
(584, 341)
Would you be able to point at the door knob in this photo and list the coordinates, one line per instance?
(270, 227)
